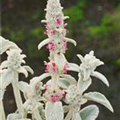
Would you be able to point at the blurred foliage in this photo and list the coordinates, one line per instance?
(77, 15)
(108, 24)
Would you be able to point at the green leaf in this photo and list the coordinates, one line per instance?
(100, 98)
(89, 113)
(101, 77)
(7, 76)
(14, 116)
(83, 85)
(54, 111)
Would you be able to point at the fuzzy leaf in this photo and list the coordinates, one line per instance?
(83, 85)
(23, 86)
(66, 108)
(73, 67)
(29, 69)
(23, 71)
(43, 43)
(100, 98)
(71, 41)
(63, 83)
(76, 116)
(14, 116)
(6, 78)
(4, 64)
(101, 77)
(6, 44)
(54, 111)
(1, 94)
(89, 113)
(69, 78)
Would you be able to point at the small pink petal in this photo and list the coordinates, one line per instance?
(63, 94)
(52, 32)
(52, 98)
(46, 87)
(56, 98)
(65, 68)
(46, 32)
(58, 21)
(67, 31)
(47, 68)
(64, 25)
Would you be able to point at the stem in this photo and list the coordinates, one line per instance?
(55, 82)
(68, 116)
(2, 112)
(17, 94)
(37, 115)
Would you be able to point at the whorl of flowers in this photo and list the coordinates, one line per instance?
(61, 96)
(55, 28)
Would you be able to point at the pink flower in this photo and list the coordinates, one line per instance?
(54, 67)
(49, 30)
(52, 32)
(47, 68)
(51, 46)
(46, 87)
(52, 98)
(47, 27)
(63, 94)
(58, 21)
(67, 31)
(65, 45)
(50, 67)
(65, 68)
(56, 98)
(64, 25)
(46, 32)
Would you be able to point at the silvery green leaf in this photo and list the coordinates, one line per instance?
(6, 78)
(89, 113)
(60, 61)
(70, 40)
(83, 85)
(36, 115)
(76, 116)
(69, 78)
(69, 115)
(101, 77)
(63, 83)
(43, 43)
(66, 108)
(14, 116)
(6, 44)
(29, 69)
(4, 64)
(40, 78)
(66, 17)
(81, 58)
(100, 98)
(1, 94)
(23, 70)
(73, 67)
(54, 111)
(24, 119)
(86, 74)
(23, 86)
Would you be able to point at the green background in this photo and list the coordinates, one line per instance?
(94, 24)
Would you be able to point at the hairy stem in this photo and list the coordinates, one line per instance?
(68, 116)
(17, 94)
(55, 82)
(2, 112)
(37, 115)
